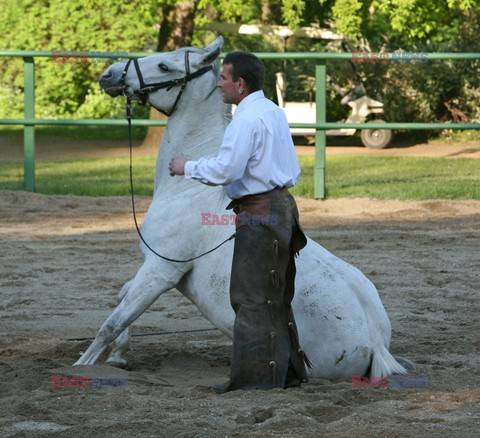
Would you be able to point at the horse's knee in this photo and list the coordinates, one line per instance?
(105, 332)
(109, 331)
(123, 291)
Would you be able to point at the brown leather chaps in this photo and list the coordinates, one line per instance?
(266, 350)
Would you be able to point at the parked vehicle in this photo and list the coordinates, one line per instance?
(363, 108)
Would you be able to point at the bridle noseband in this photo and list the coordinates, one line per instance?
(146, 89)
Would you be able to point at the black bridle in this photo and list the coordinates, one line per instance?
(146, 89)
(142, 96)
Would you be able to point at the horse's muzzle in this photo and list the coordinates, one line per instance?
(113, 91)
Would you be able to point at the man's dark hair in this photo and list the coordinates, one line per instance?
(247, 66)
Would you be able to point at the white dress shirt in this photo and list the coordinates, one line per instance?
(257, 152)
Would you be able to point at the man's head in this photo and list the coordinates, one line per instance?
(242, 73)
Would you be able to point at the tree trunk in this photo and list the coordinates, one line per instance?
(176, 31)
(271, 12)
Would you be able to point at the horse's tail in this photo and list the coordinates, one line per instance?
(384, 364)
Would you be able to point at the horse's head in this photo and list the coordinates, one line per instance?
(162, 79)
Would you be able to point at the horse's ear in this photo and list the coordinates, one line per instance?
(217, 43)
(213, 50)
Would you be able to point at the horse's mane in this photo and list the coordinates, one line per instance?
(216, 70)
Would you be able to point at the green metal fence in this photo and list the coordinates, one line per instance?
(29, 121)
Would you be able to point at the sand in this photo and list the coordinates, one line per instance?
(65, 258)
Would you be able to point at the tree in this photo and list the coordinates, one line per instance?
(71, 89)
(176, 31)
(179, 19)
(77, 25)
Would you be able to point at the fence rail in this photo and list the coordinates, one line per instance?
(29, 121)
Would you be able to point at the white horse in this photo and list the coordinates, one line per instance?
(342, 324)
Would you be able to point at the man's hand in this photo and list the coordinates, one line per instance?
(177, 166)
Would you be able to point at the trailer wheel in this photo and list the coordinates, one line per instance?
(376, 138)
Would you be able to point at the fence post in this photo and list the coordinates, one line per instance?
(29, 130)
(320, 137)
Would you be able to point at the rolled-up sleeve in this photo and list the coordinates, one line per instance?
(233, 155)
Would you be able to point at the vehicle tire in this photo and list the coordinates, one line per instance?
(376, 138)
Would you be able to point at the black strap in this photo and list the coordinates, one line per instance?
(145, 89)
(148, 88)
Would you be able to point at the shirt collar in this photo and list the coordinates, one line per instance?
(248, 100)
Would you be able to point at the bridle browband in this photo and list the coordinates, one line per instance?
(142, 95)
(146, 89)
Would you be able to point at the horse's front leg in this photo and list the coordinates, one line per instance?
(122, 344)
(150, 282)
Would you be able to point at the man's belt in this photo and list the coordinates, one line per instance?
(274, 192)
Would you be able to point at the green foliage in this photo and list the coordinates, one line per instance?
(83, 26)
(292, 12)
(232, 11)
(347, 18)
(422, 19)
(440, 90)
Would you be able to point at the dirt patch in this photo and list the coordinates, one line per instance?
(64, 259)
(434, 149)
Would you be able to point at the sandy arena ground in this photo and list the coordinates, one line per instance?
(65, 258)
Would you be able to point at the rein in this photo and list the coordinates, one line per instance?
(142, 95)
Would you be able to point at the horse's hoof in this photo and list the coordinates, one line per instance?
(118, 364)
(222, 388)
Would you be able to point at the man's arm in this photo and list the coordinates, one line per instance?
(231, 161)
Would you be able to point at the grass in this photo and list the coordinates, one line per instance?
(404, 178)
(451, 136)
(413, 178)
(84, 177)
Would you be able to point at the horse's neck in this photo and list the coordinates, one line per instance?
(193, 131)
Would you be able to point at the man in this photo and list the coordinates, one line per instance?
(257, 163)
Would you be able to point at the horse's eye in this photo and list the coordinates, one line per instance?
(163, 67)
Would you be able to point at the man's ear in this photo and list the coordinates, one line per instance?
(242, 84)
(213, 51)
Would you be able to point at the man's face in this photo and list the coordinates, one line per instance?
(229, 87)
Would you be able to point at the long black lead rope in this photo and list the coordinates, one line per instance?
(129, 119)
(151, 334)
